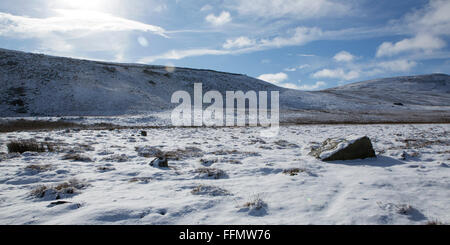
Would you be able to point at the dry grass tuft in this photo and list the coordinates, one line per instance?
(76, 157)
(59, 191)
(294, 171)
(434, 222)
(21, 146)
(256, 203)
(39, 168)
(209, 190)
(211, 172)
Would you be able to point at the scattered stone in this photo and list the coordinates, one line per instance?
(344, 149)
(160, 162)
(59, 202)
(208, 162)
(405, 155)
(105, 169)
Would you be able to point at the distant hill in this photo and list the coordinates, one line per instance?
(41, 85)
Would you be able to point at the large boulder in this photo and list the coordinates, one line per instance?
(355, 147)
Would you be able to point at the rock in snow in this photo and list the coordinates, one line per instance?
(350, 148)
(160, 162)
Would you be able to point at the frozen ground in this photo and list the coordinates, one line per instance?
(253, 180)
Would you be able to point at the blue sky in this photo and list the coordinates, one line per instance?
(302, 44)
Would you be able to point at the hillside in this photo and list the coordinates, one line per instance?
(41, 85)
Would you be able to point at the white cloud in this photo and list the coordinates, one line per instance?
(276, 78)
(76, 33)
(142, 41)
(300, 67)
(344, 56)
(366, 69)
(433, 19)
(293, 8)
(306, 55)
(290, 69)
(397, 65)
(68, 21)
(206, 7)
(300, 36)
(222, 19)
(160, 8)
(316, 86)
(421, 42)
(336, 73)
(181, 54)
(239, 42)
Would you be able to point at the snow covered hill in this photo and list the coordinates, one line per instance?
(41, 85)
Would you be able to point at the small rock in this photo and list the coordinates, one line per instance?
(143, 133)
(59, 202)
(160, 162)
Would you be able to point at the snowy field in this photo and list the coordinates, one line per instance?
(226, 176)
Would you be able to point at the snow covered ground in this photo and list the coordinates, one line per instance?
(227, 176)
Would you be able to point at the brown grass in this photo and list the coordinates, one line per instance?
(255, 203)
(295, 171)
(39, 168)
(211, 172)
(35, 125)
(69, 187)
(21, 146)
(76, 157)
(434, 222)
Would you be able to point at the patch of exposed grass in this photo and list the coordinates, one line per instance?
(256, 203)
(59, 191)
(211, 172)
(76, 157)
(21, 146)
(209, 190)
(144, 180)
(295, 171)
(434, 222)
(105, 169)
(116, 158)
(39, 168)
(180, 154)
(33, 125)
